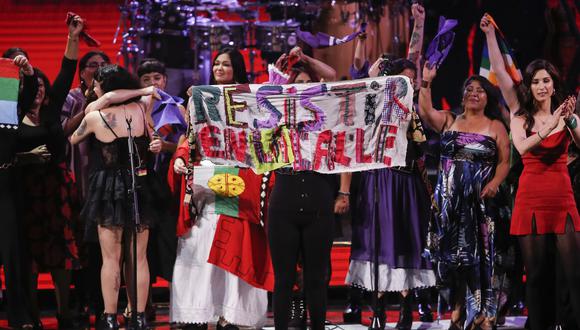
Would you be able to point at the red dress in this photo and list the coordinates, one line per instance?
(545, 191)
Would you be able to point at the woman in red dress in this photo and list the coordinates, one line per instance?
(545, 213)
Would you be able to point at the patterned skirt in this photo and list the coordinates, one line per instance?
(49, 208)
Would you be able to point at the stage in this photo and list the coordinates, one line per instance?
(334, 317)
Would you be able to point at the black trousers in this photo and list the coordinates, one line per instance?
(16, 271)
(300, 221)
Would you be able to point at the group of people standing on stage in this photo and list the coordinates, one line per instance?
(78, 143)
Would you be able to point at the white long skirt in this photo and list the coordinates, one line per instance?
(202, 292)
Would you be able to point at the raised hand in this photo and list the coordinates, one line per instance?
(22, 62)
(429, 72)
(418, 12)
(75, 27)
(374, 69)
(485, 25)
(282, 63)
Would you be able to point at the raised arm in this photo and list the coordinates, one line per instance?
(74, 30)
(63, 81)
(437, 120)
(503, 161)
(416, 42)
(360, 52)
(321, 69)
(506, 84)
(29, 89)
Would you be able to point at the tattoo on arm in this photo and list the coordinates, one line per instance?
(416, 42)
(82, 128)
(414, 39)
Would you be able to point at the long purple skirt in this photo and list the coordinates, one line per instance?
(403, 210)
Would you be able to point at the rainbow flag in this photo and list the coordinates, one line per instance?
(485, 68)
(9, 82)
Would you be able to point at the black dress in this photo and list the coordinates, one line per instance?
(47, 199)
(109, 202)
(11, 242)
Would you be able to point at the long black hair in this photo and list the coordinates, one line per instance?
(85, 60)
(238, 65)
(491, 109)
(529, 108)
(112, 77)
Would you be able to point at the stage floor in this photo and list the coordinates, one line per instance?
(334, 317)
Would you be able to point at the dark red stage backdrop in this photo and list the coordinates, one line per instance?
(39, 28)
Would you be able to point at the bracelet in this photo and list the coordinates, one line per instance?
(425, 84)
(540, 136)
(345, 193)
(571, 122)
(73, 39)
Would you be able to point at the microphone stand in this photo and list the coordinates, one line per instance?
(377, 322)
(136, 223)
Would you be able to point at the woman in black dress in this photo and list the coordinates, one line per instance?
(109, 203)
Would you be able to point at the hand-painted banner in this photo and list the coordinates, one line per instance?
(325, 127)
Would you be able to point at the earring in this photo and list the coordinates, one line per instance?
(554, 92)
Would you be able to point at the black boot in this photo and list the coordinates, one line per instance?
(141, 322)
(423, 298)
(297, 314)
(352, 314)
(406, 313)
(382, 317)
(108, 322)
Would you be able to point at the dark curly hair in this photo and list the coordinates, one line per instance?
(113, 77)
(529, 108)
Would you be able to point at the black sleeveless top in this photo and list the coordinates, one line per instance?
(109, 201)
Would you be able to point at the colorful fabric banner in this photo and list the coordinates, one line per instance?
(240, 199)
(9, 83)
(325, 127)
(485, 68)
(441, 45)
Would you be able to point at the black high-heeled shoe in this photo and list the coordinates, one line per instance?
(141, 322)
(423, 299)
(405, 314)
(108, 322)
(352, 314)
(228, 326)
(297, 314)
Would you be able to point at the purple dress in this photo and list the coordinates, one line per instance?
(403, 215)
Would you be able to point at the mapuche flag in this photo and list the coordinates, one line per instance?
(9, 82)
(485, 68)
